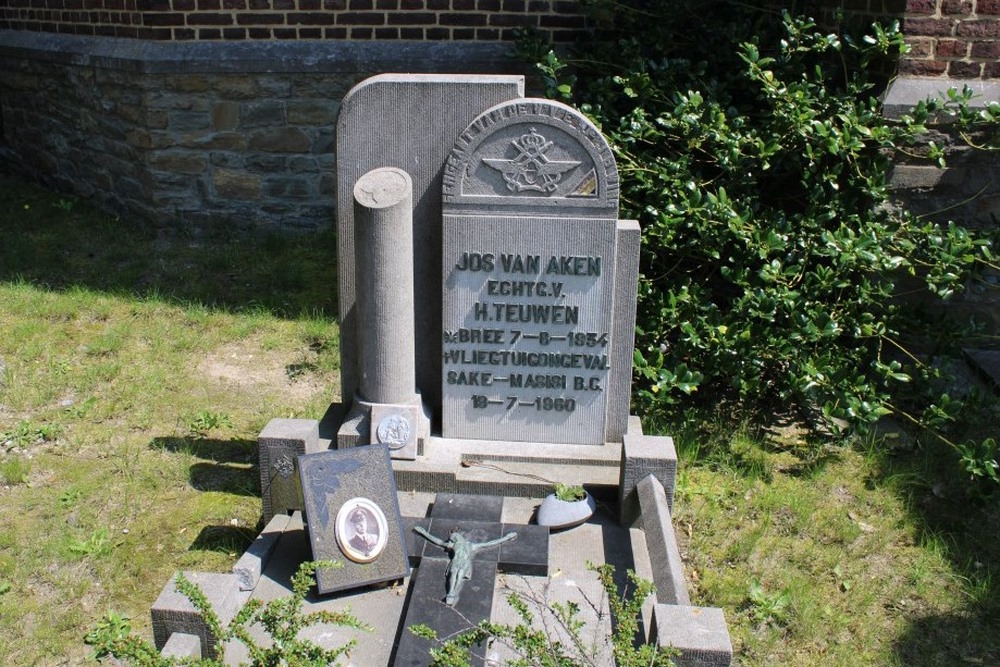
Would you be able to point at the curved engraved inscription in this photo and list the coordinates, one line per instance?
(532, 153)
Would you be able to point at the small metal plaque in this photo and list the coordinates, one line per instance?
(396, 427)
(394, 431)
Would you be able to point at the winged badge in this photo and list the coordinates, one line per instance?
(531, 169)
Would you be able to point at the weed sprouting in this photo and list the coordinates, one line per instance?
(206, 421)
(14, 470)
(27, 433)
(97, 544)
(768, 607)
(69, 498)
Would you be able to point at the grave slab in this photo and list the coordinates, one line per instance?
(477, 518)
(379, 606)
(352, 512)
(601, 539)
(533, 330)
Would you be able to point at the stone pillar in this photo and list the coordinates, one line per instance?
(387, 408)
(383, 232)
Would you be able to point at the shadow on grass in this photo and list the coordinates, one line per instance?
(224, 539)
(58, 242)
(961, 520)
(231, 465)
(944, 641)
(955, 517)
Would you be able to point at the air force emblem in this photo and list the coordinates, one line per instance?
(531, 170)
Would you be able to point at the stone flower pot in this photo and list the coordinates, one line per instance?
(558, 514)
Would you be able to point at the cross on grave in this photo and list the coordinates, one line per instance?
(478, 518)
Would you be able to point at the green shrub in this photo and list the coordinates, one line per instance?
(282, 619)
(752, 149)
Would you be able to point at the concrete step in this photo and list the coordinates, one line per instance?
(515, 469)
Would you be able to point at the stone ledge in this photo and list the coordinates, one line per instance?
(314, 56)
(251, 564)
(906, 91)
(173, 613)
(664, 554)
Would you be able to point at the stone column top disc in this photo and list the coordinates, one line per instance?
(382, 188)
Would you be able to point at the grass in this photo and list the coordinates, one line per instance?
(852, 561)
(137, 367)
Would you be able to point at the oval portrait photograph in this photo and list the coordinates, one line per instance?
(361, 530)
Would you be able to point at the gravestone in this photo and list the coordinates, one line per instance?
(539, 281)
(373, 132)
(501, 364)
(353, 517)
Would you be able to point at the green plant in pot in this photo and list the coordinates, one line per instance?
(567, 506)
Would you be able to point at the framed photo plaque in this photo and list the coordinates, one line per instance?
(352, 516)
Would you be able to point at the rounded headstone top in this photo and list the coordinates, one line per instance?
(383, 187)
(535, 154)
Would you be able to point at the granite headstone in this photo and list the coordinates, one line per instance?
(539, 281)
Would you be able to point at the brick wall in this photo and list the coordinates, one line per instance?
(957, 39)
(954, 38)
(480, 20)
(947, 38)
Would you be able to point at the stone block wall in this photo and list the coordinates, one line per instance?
(435, 20)
(182, 133)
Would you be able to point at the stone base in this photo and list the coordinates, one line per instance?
(644, 455)
(365, 420)
(278, 448)
(699, 633)
(173, 613)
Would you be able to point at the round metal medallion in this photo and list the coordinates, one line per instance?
(394, 430)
